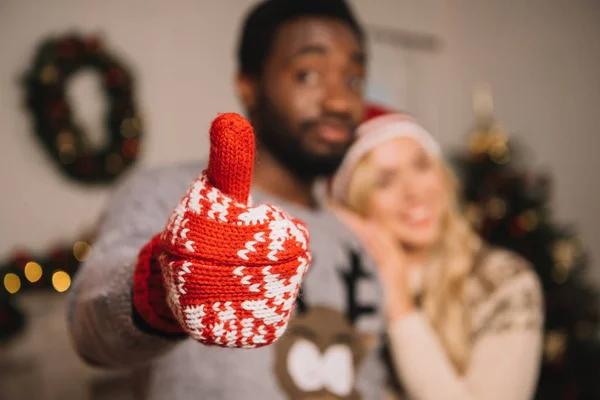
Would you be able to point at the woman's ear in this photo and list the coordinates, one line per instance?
(247, 89)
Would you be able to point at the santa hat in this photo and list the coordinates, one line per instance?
(372, 133)
(374, 110)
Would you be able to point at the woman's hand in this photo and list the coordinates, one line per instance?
(388, 256)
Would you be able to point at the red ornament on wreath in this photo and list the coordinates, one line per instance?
(93, 43)
(69, 48)
(515, 228)
(130, 148)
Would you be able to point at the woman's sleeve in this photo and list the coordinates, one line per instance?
(507, 341)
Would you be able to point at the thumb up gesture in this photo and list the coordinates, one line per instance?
(231, 270)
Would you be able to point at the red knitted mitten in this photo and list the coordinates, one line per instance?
(231, 271)
(149, 294)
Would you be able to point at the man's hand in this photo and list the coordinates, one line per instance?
(231, 271)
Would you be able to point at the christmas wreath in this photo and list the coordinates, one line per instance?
(57, 60)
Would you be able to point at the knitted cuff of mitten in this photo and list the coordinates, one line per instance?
(232, 271)
(149, 295)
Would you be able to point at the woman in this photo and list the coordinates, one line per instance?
(464, 319)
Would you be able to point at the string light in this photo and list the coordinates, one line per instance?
(564, 252)
(61, 281)
(49, 74)
(130, 127)
(81, 250)
(528, 220)
(33, 271)
(12, 283)
(478, 143)
(554, 345)
(496, 208)
(65, 143)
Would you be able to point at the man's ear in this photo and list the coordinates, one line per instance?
(247, 88)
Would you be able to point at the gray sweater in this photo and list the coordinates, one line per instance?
(331, 347)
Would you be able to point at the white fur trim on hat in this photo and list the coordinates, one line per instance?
(373, 133)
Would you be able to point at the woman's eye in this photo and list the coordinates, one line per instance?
(423, 163)
(383, 181)
(308, 77)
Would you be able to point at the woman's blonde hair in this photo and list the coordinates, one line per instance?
(451, 262)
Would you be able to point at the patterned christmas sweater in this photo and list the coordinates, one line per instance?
(330, 349)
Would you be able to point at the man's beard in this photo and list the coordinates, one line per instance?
(276, 135)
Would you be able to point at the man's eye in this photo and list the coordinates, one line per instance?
(356, 83)
(308, 77)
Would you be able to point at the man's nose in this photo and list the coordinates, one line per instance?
(338, 98)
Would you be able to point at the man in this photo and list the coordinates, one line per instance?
(301, 74)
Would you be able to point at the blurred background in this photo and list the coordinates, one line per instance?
(169, 67)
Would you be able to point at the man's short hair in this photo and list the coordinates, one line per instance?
(262, 23)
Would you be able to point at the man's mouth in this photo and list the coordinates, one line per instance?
(334, 132)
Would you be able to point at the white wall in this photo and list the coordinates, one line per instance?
(542, 58)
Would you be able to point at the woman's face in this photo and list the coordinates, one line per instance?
(409, 195)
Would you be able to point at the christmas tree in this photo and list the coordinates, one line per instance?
(509, 205)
